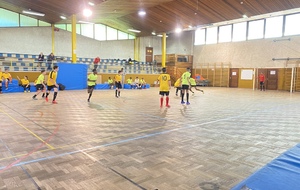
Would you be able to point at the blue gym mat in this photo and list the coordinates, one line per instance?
(283, 173)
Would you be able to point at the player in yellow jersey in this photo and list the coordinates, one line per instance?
(92, 79)
(118, 79)
(25, 84)
(7, 77)
(40, 84)
(110, 83)
(130, 82)
(185, 85)
(164, 87)
(51, 84)
(194, 85)
(177, 85)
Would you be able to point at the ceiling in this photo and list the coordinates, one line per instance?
(161, 15)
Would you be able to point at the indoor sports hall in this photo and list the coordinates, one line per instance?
(237, 129)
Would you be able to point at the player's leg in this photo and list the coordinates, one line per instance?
(0, 86)
(167, 99)
(55, 94)
(161, 98)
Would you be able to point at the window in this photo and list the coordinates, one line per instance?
(87, 30)
(274, 27)
(61, 26)
(292, 26)
(239, 32)
(42, 23)
(100, 32)
(122, 35)
(256, 29)
(131, 36)
(8, 18)
(27, 21)
(225, 33)
(199, 37)
(112, 34)
(69, 28)
(211, 35)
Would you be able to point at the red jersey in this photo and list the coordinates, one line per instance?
(96, 60)
(261, 78)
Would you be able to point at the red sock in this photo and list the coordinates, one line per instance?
(167, 100)
(161, 101)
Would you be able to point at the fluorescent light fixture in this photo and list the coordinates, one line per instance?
(87, 12)
(33, 13)
(142, 13)
(91, 3)
(63, 17)
(134, 30)
(160, 35)
(85, 22)
(153, 33)
(245, 16)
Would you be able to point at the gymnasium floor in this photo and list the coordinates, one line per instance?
(130, 143)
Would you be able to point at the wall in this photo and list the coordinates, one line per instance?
(33, 40)
(181, 43)
(150, 41)
(249, 54)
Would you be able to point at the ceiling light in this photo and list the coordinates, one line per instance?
(142, 13)
(91, 3)
(63, 17)
(153, 33)
(87, 12)
(178, 30)
(160, 35)
(134, 30)
(85, 22)
(33, 13)
(245, 16)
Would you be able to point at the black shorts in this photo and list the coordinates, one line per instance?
(118, 85)
(184, 86)
(164, 93)
(261, 83)
(49, 88)
(39, 87)
(91, 87)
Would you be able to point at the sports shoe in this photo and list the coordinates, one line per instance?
(88, 100)
(188, 103)
(54, 102)
(34, 98)
(168, 106)
(176, 94)
(28, 91)
(24, 91)
(182, 102)
(46, 99)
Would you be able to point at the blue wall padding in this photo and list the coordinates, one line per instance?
(73, 76)
(283, 173)
(102, 86)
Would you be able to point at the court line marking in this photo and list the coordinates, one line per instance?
(28, 130)
(119, 142)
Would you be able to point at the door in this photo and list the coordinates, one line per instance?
(234, 78)
(272, 79)
(264, 72)
(149, 54)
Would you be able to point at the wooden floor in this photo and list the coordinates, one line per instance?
(130, 143)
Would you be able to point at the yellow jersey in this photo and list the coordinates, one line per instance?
(40, 79)
(24, 81)
(6, 75)
(92, 78)
(193, 82)
(110, 81)
(164, 80)
(129, 81)
(0, 76)
(177, 83)
(118, 78)
(185, 78)
(52, 78)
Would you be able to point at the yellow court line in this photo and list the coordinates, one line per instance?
(93, 140)
(51, 147)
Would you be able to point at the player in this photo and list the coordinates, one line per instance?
(194, 85)
(185, 85)
(51, 84)
(92, 79)
(164, 87)
(118, 79)
(40, 84)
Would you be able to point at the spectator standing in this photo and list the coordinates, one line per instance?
(261, 78)
(40, 59)
(96, 62)
(50, 60)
